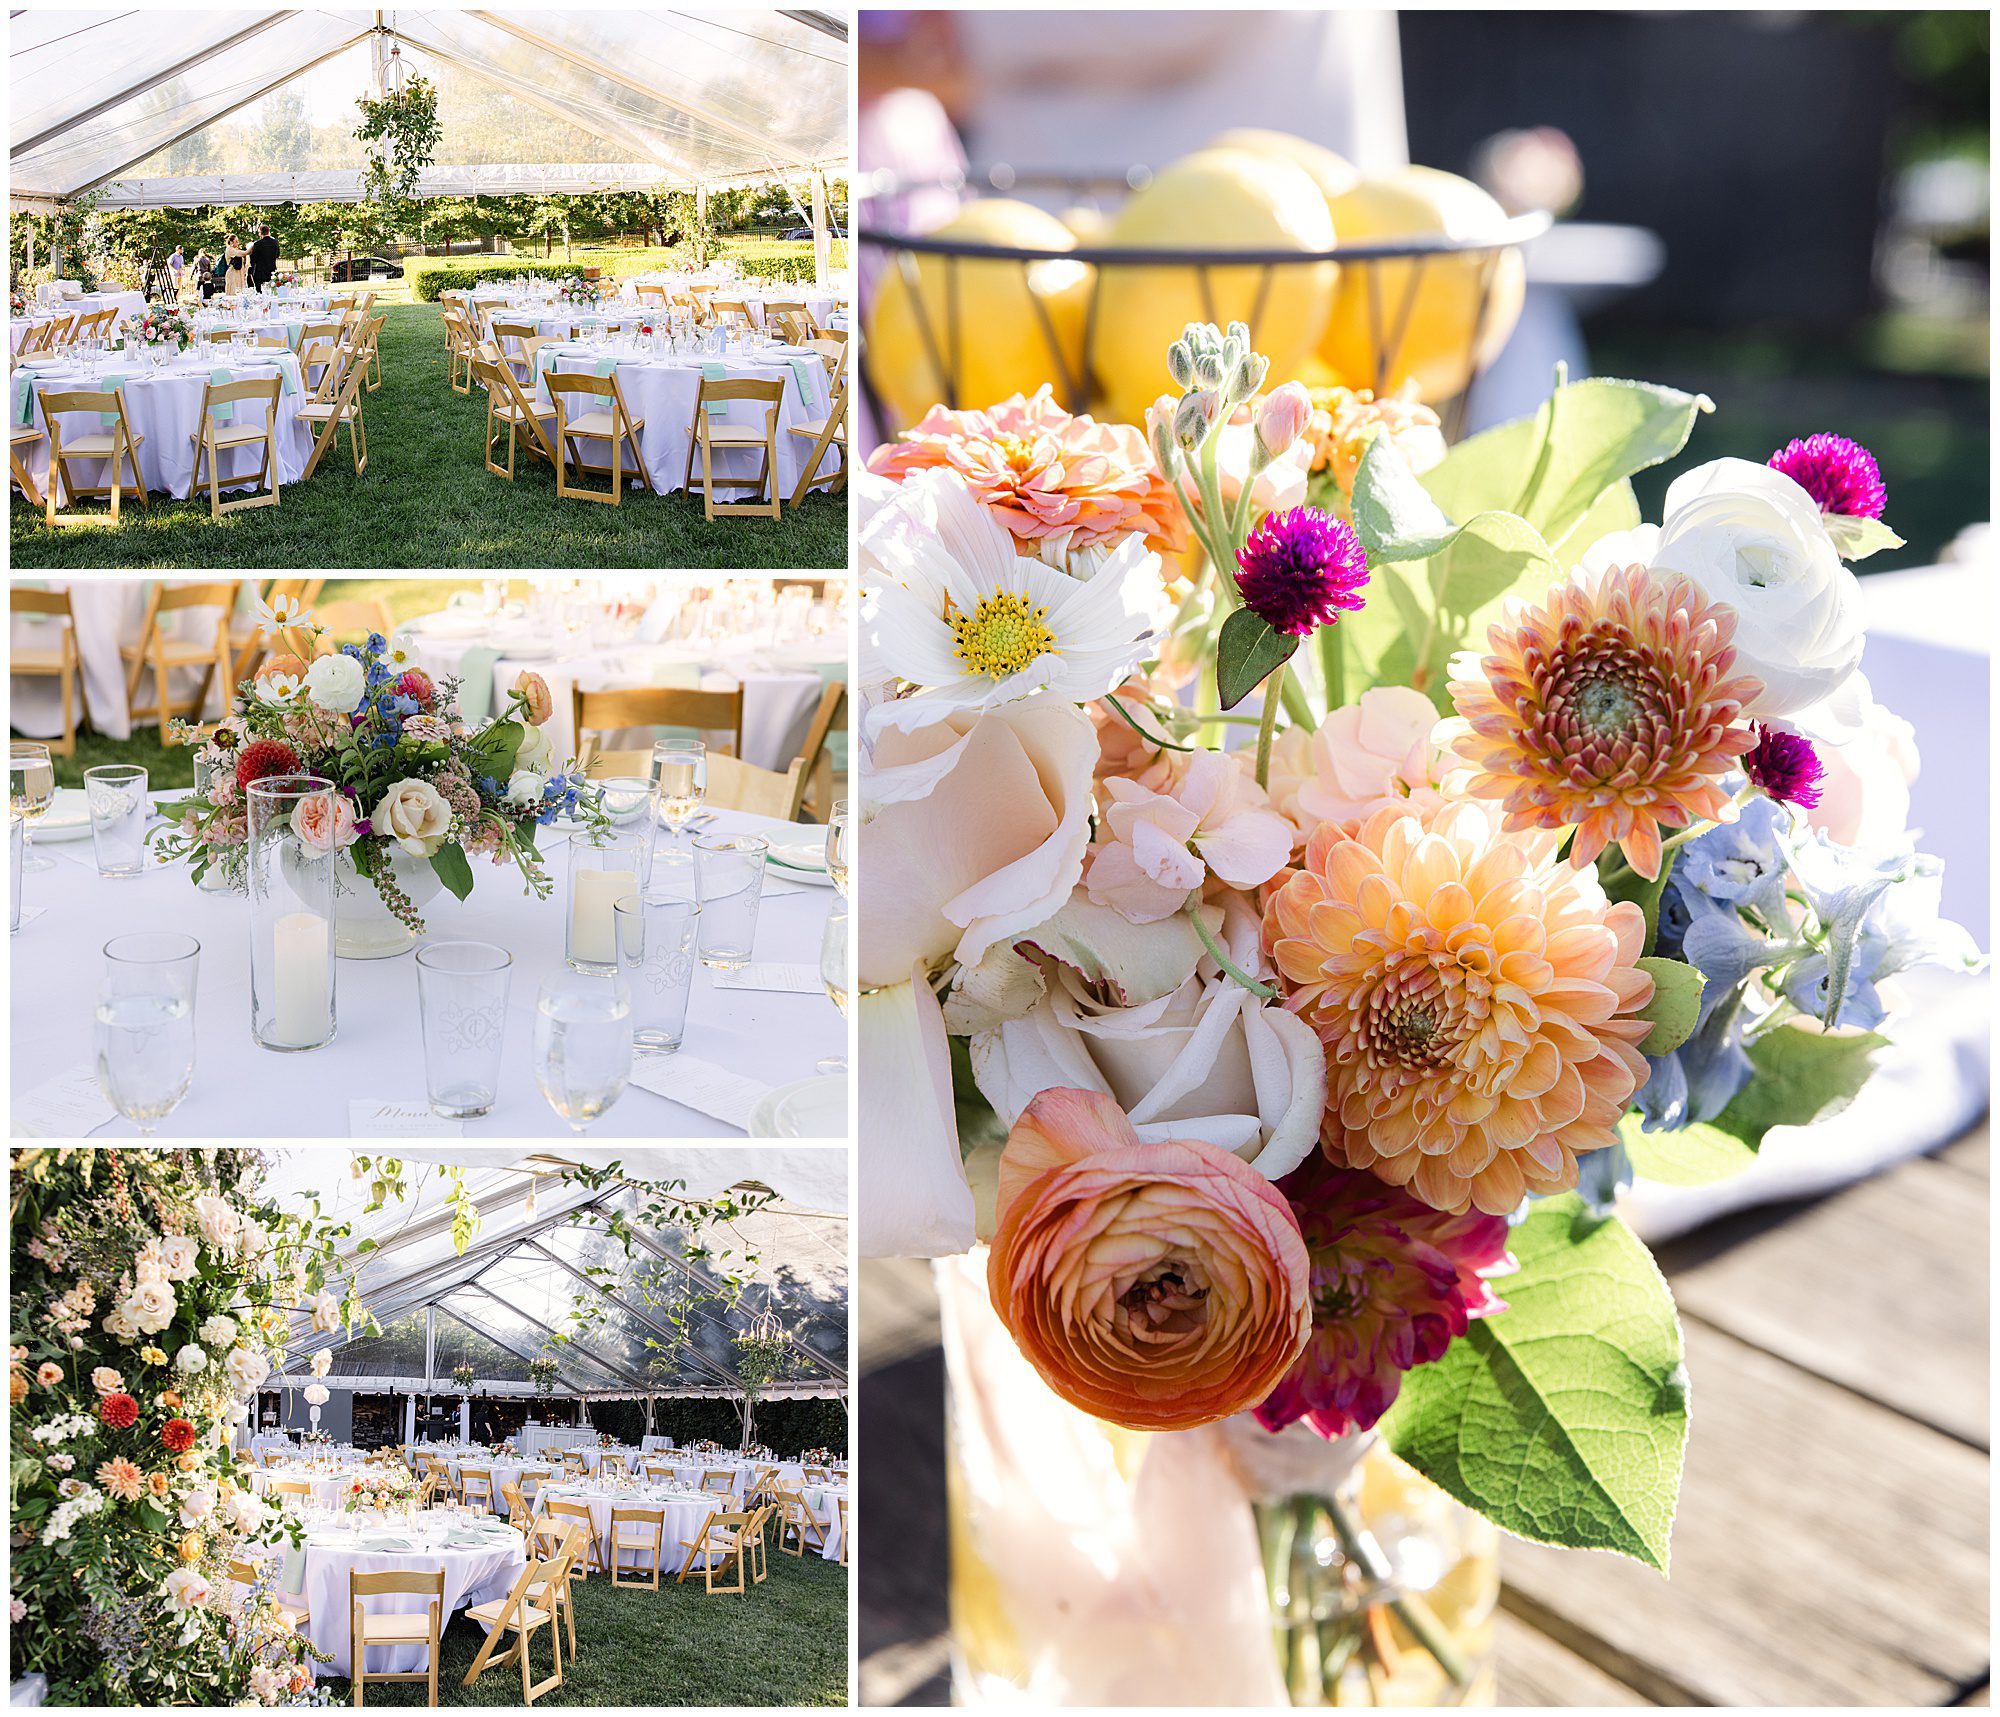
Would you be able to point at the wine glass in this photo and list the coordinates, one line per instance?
(583, 1044)
(833, 974)
(680, 778)
(31, 789)
(145, 1024)
(839, 844)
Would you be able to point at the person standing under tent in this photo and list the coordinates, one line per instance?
(237, 265)
(176, 268)
(263, 257)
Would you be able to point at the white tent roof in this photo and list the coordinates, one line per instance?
(338, 185)
(701, 98)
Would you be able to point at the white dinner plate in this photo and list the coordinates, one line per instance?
(800, 861)
(813, 1108)
(67, 818)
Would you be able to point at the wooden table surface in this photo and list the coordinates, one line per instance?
(1831, 1547)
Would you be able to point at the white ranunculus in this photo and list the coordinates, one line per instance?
(537, 751)
(190, 1359)
(219, 1331)
(524, 786)
(322, 1362)
(336, 683)
(150, 1306)
(217, 1219)
(1752, 538)
(197, 1505)
(1202, 1061)
(180, 1257)
(247, 1369)
(414, 814)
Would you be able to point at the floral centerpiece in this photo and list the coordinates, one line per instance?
(579, 293)
(542, 1371)
(379, 1487)
(148, 1293)
(17, 304)
(161, 324)
(285, 280)
(1279, 964)
(419, 792)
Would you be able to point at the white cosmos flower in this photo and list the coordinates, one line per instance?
(949, 606)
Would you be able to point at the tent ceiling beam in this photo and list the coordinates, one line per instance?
(514, 1192)
(553, 1335)
(685, 1349)
(140, 88)
(460, 1317)
(611, 74)
(590, 1355)
(824, 22)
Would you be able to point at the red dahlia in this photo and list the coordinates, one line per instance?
(120, 1412)
(264, 757)
(415, 683)
(177, 1436)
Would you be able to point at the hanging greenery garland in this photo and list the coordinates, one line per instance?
(402, 132)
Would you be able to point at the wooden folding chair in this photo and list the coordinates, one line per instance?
(651, 292)
(475, 1484)
(367, 335)
(20, 436)
(40, 337)
(655, 706)
(319, 345)
(351, 620)
(755, 1554)
(846, 1531)
(609, 422)
(323, 417)
(115, 443)
(814, 753)
(511, 412)
(155, 650)
(793, 325)
(825, 433)
(290, 1487)
(59, 662)
(296, 1609)
(508, 335)
(458, 349)
(720, 1481)
(738, 786)
(556, 1590)
(62, 328)
(608, 1464)
(519, 1515)
(560, 1508)
(707, 434)
(719, 1544)
(637, 1530)
(365, 1630)
(213, 438)
(573, 1462)
(517, 1615)
(830, 352)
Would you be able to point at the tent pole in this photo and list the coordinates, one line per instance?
(430, 1346)
(819, 226)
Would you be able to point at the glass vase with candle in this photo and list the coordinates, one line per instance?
(223, 874)
(603, 869)
(292, 894)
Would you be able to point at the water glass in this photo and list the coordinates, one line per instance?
(583, 1044)
(31, 790)
(17, 837)
(839, 845)
(656, 937)
(115, 794)
(602, 871)
(145, 1024)
(462, 997)
(680, 779)
(833, 974)
(729, 871)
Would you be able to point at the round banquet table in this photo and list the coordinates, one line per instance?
(781, 687)
(327, 1490)
(823, 1502)
(821, 304)
(503, 1472)
(125, 303)
(241, 1090)
(660, 392)
(481, 1560)
(690, 1474)
(164, 407)
(686, 1513)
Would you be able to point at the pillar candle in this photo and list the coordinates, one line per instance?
(592, 935)
(304, 978)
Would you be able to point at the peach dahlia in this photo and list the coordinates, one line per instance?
(1476, 998)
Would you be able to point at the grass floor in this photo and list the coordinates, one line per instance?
(427, 500)
(781, 1643)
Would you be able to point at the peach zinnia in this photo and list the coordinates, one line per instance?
(1612, 706)
(1476, 997)
(1157, 1286)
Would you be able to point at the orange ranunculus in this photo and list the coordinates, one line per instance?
(1156, 1286)
(191, 1547)
(535, 690)
(158, 1483)
(282, 662)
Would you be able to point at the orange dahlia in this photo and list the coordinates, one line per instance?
(1475, 996)
(1612, 706)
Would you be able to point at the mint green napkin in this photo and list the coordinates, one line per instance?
(606, 366)
(109, 384)
(226, 411)
(24, 396)
(294, 331)
(475, 683)
(285, 382)
(716, 373)
(292, 1574)
(799, 375)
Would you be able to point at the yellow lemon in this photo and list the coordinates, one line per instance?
(1214, 199)
(1437, 345)
(1002, 346)
(1335, 175)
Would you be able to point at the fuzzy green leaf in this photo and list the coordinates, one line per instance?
(1393, 513)
(1246, 650)
(1803, 1075)
(1562, 1419)
(1675, 1005)
(1694, 1155)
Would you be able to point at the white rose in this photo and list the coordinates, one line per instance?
(317, 1395)
(524, 786)
(243, 1511)
(1752, 538)
(197, 1505)
(413, 813)
(217, 1219)
(336, 683)
(325, 1312)
(1188, 1057)
(186, 1589)
(537, 751)
(322, 1362)
(247, 1369)
(180, 1256)
(254, 1241)
(219, 1331)
(119, 1326)
(190, 1359)
(150, 1306)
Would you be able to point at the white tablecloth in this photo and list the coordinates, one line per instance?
(473, 1574)
(823, 1501)
(503, 1472)
(539, 1439)
(661, 393)
(328, 1490)
(241, 1090)
(781, 689)
(164, 407)
(686, 1513)
(125, 303)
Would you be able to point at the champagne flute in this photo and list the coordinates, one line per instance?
(583, 1044)
(839, 841)
(31, 789)
(145, 1024)
(680, 778)
(833, 974)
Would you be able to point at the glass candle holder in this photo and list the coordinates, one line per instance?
(730, 871)
(115, 796)
(656, 940)
(602, 871)
(292, 893)
(583, 1045)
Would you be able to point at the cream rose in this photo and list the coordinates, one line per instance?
(324, 821)
(336, 683)
(197, 1505)
(325, 1312)
(150, 1307)
(180, 1257)
(537, 751)
(247, 1369)
(322, 1362)
(217, 1220)
(415, 815)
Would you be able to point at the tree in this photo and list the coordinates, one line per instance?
(283, 140)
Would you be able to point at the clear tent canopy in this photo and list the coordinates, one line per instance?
(542, 1273)
(674, 100)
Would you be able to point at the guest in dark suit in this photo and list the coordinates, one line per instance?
(263, 257)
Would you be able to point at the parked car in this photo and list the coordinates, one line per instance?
(796, 232)
(365, 268)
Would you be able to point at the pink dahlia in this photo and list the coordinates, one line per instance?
(1055, 480)
(1839, 474)
(1392, 1284)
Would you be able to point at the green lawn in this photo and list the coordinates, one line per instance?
(781, 1643)
(427, 500)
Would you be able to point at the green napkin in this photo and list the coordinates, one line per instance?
(294, 331)
(24, 397)
(226, 411)
(111, 384)
(606, 366)
(475, 683)
(800, 373)
(292, 1573)
(715, 373)
(285, 382)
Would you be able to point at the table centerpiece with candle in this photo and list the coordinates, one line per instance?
(417, 792)
(379, 1488)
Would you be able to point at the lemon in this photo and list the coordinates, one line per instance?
(1437, 347)
(1001, 345)
(1334, 174)
(1214, 199)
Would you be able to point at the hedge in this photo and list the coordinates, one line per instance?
(787, 1426)
(429, 277)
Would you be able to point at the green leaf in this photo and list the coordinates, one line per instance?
(1491, 555)
(1857, 539)
(1694, 1155)
(1630, 885)
(1617, 509)
(1246, 650)
(1803, 1075)
(1562, 1419)
(492, 751)
(1675, 1006)
(1393, 513)
(453, 869)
